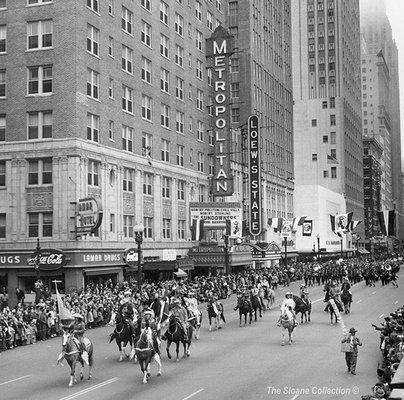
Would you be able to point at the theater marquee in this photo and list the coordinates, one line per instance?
(219, 48)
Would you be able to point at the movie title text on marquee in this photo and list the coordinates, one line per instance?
(216, 214)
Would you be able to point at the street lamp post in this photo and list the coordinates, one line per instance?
(226, 254)
(318, 246)
(286, 251)
(341, 248)
(138, 230)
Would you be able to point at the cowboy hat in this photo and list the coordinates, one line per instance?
(77, 315)
(352, 330)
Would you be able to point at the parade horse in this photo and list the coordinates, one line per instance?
(287, 322)
(303, 307)
(346, 298)
(72, 355)
(216, 312)
(145, 352)
(244, 308)
(332, 311)
(122, 336)
(175, 334)
(256, 305)
(269, 296)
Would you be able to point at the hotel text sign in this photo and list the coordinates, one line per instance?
(255, 175)
(219, 47)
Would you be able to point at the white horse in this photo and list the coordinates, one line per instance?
(287, 322)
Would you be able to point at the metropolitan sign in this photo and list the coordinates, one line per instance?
(255, 175)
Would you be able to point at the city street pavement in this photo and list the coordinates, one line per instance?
(234, 363)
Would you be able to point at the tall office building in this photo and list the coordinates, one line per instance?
(103, 100)
(327, 116)
(377, 32)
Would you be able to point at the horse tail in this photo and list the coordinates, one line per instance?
(90, 355)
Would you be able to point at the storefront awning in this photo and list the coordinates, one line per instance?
(102, 271)
(363, 251)
(180, 273)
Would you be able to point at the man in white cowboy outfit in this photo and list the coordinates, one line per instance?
(351, 356)
(290, 304)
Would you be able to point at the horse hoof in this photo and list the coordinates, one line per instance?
(70, 384)
(81, 377)
(283, 344)
(158, 373)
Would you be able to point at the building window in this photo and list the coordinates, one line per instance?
(127, 99)
(198, 10)
(199, 99)
(234, 65)
(235, 115)
(164, 43)
(146, 70)
(179, 88)
(146, 4)
(93, 127)
(127, 183)
(332, 120)
(40, 79)
(40, 224)
(314, 157)
(333, 137)
(199, 131)
(146, 107)
(179, 122)
(2, 173)
(181, 229)
(210, 77)
(180, 155)
(325, 174)
(111, 88)
(111, 46)
(164, 80)
(199, 69)
(2, 127)
(325, 104)
(127, 138)
(2, 226)
(199, 40)
(211, 165)
(147, 144)
(333, 172)
(164, 12)
(112, 223)
(39, 34)
(325, 139)
(181, 190)
(209, 20)
(165, 187)
(179, 24)
(93, 173)
(166, 228)
(2, 83)
(127, 21)
(3, 4)
(111, 8)
(40, 171)
(146, 33)
(3, 38)
(93, 5)
(148, 184)
(235, 89)
(165, 116)
(333, 153)
(40, 124)
(313, 122)
(201, 162)
(179, 55)
(93, 82)
(128, 226)
(165, 150)
(93, 40)
(148, 227)
(201, 197)
(127, 59)
(111, 130)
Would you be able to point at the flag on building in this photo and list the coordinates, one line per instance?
(286, 230)
(197, 232)
(353, 225)
(275, 224)
(387, 221)
(331, 159)
(234, 228)
(298, 221)
(340, 223)
(64, 313)
(307, 227)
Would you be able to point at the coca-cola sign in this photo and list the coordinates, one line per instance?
(130, 257)
(48, 259)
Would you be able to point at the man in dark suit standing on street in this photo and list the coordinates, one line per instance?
(352, 355)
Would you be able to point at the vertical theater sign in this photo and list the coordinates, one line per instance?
(219, 48)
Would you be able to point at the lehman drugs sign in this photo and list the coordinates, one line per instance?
(216, 214)
(219, 48)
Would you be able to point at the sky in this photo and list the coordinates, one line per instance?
(395, 12)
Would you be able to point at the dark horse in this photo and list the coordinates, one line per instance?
(145, 351)
(256, 305)
(303, 307)
(73, 355)
(122, 336)
(175, 334)
(346, 298)
(216, 312)
(244, 308)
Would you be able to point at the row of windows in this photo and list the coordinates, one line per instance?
(333, 121)
(3, 3)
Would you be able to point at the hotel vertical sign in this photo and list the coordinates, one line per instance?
(255, 175)
(219, 48)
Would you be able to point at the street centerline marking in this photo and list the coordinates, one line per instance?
(381, 315)
(359, 301)
(193, 394)
(16, 379)
(374, 292)
(90, 389)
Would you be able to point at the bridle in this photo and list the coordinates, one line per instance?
(174, 321)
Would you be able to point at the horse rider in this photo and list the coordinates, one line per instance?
(126, 310)
(335, 294)
(288, 303)
(148, 321)
(304, 293)
(192, 306)
(346, 286)
(180, 313)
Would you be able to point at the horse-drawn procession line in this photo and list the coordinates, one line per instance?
(90, 389)
(16, 379)
(193, 394)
